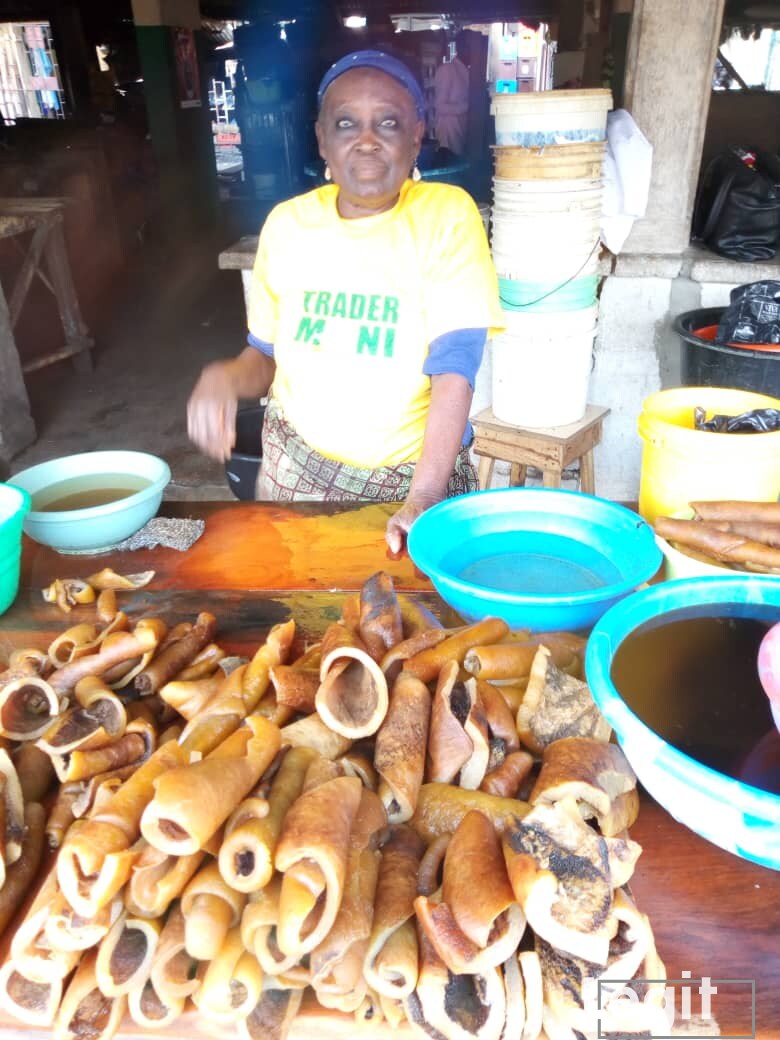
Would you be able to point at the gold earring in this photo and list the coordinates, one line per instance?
(416, 175)
(327, 172)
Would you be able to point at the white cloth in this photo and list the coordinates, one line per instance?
(628, 166)
(451, 88)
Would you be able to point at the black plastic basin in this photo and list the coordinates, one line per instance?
(705, 363)
(243, 466)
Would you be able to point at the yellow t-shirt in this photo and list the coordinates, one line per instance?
(351, 307)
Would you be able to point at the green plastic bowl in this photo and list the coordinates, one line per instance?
(96, 527)
(14, 503)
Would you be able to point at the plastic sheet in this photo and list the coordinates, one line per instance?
(753, 315)
(627, 170)
(760, 420)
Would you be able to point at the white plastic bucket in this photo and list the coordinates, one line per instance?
(546, 267)
(553, 187)
(551, 117)
(512, 201)
(541, 383)
(529, 325)
(528, 250)
(533, 206)
(563, 227)
(574, 186)
(559, 252)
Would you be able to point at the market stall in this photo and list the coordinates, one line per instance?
(714, 915)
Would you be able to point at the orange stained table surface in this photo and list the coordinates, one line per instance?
(713, 914)
(257, 546)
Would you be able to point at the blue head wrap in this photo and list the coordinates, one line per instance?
(375, 60)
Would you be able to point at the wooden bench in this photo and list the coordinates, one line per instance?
(549, 449)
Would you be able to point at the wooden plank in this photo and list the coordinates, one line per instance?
(543, 453)
(254, 546)
(27, 271)
(56, 257)
(582, 443)
(587, 474)
(593, 413)
(17, 428)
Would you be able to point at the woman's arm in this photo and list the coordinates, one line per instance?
(451, 397)
(211, 410)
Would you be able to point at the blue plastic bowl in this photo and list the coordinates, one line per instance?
(95, 528)
(539, 558)
(734, 815)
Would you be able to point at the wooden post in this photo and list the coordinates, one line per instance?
(17, 428)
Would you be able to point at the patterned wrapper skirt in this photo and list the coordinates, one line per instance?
(291, 471)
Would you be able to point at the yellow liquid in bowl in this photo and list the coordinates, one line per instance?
(84, 492)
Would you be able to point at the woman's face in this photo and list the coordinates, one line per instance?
(369, 135)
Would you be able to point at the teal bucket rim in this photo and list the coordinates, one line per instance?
(576, 294)
(25, 504)
(545, 286)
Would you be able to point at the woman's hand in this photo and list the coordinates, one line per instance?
(399, 524)
(211, 410)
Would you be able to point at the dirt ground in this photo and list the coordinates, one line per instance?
(171, 312)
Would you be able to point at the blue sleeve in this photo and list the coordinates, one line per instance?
(260, 344)
(458, 352)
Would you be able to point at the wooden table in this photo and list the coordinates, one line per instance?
(713, 914)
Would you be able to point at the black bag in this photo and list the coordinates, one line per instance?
(737, 211)
(753, 315)
(760, 420)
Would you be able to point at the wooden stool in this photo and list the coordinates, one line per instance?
(549, 449)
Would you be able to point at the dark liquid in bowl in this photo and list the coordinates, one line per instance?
(95, 489)
(693, 679)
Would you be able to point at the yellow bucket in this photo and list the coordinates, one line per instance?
(681, 464)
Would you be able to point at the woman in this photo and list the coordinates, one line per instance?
(371, 301)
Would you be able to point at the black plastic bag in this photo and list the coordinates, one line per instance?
(753, 315)
(737, 209)
(760, 420)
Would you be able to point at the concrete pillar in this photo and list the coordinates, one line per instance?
(669, 69)
(17, 428)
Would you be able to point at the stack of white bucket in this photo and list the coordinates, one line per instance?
(546, 219)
